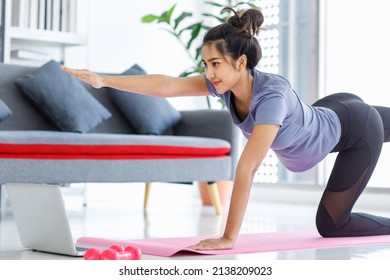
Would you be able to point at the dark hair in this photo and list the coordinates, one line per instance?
(237, 36)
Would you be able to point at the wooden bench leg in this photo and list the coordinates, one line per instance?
(214, 196)
(147, 192)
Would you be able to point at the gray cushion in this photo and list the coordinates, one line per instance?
(62, 98)
(147, 114)
(5, 112)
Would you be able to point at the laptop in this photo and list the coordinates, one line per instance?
(40, 216)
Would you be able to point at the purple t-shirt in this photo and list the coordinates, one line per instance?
(306, 135)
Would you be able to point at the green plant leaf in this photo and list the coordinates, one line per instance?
(149, 18)
(198, 53)
(169, 13)
(184, 74)
(163, 17)
(195, 33)
(223, 104)
(206, 27)
(215, 4)
(221, 20)
(200, 67)
(179, 19)
(188, 73)
(208, 101)
(191, 27)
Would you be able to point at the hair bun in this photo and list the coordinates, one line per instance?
(247, 22)
(235, 21)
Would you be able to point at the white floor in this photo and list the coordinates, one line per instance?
(115, 211)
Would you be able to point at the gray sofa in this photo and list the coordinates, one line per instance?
(33, 150)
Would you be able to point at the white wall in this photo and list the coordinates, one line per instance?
(357, 57)
(358, 48)
(118, 39)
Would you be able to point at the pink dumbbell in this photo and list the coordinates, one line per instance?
(135, 252)
(92, 254)
(117, 247)
(111, 254)
(115, 252)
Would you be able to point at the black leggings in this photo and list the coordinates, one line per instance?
(364, 128)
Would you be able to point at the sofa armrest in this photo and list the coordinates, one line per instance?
(213, 124)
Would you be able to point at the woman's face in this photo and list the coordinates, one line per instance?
(220, 70)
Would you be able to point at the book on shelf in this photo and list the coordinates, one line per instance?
(29, 55)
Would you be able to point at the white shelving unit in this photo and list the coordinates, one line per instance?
(45, 27)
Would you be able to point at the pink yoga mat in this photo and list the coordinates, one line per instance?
(246, 243)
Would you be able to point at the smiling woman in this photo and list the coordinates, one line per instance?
(272, 117)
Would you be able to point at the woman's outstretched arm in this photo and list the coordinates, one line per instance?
(155, 85)
(254, 152)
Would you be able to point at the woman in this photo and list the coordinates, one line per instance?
(271, 116)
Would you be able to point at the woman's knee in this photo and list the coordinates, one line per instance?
(327, 231)
(324, 223)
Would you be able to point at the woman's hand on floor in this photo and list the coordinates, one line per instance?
(221, 243)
